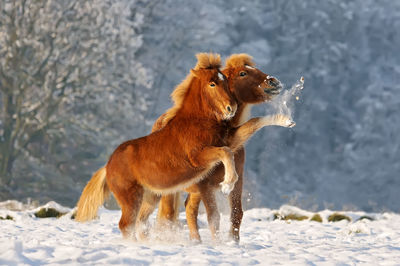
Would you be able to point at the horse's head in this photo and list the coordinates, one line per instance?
(204, 90)
(214, 92)
(249, 84)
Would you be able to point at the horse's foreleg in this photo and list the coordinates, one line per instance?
(245, 131)
(149, 203)
(211, 155)
(192, 209)
(235, 198)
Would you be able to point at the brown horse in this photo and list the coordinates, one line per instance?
(250, 86)
(172, 158)
(236, 136)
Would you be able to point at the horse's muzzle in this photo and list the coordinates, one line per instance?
(274, 86)
(230, 111)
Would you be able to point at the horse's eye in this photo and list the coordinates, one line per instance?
(212, 84)
(242, 73)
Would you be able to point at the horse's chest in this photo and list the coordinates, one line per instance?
(220, 138)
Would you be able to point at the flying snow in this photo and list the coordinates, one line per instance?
(283, 103)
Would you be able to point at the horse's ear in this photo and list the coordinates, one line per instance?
(227, 72)
(194, 72)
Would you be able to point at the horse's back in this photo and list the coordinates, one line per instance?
(151, 160)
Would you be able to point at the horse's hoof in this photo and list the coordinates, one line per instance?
(226, 188)
(290, 123)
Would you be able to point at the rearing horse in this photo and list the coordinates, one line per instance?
(250, 86)
(172, 158)
(233, 134)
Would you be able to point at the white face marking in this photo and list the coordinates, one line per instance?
(249, 67)
(220, 76)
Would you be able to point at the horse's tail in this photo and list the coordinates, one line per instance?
(93, 196)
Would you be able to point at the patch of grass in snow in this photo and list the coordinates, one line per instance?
(336, 217)
(8, 217)
(295, 217)
(48, 212)
(366, 218)
(316, 218)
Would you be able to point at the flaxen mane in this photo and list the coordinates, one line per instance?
(204, 60)
(238, 60)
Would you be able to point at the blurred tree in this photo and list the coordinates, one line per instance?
(67, 68)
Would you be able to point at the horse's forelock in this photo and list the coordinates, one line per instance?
(208, 61)
(239, 60)
(204, 61)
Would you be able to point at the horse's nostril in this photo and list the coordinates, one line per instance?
(273, 83)
(229, 109)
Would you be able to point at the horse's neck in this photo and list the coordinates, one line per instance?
(197, 116)
(195, 106)
(243, 114)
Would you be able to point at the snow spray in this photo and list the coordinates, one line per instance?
(283, 103)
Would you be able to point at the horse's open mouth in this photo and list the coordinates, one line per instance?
(273, 91)
(274, 86)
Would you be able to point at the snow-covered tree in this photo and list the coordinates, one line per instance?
(67, 72)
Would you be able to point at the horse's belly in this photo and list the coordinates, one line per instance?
(170, 181)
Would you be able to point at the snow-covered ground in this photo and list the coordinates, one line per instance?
(27, 240)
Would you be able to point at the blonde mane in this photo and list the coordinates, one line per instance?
(204, 61)
(238, 60)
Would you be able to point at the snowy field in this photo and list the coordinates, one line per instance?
(27, 240)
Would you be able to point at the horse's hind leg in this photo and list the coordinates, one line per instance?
(129, 199)
(167, 211)
(192, 209)
(235, 198)
(213, 216)
(149, 203)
